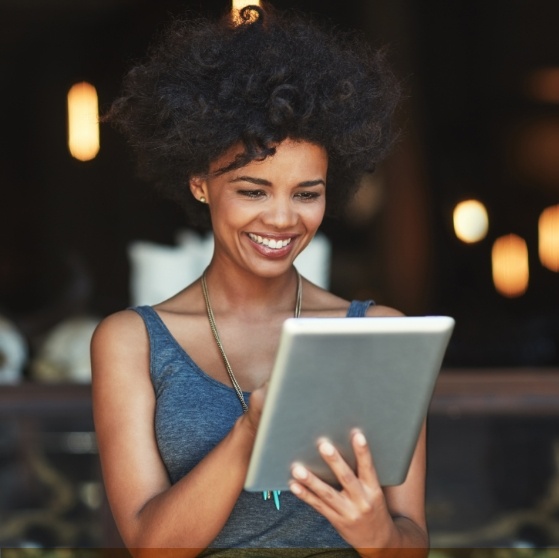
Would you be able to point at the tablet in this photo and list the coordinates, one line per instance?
(332, 375)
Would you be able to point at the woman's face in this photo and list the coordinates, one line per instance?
(265, 213)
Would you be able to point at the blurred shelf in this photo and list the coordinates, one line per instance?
(36, 399)
(487, 391)
(497, 391)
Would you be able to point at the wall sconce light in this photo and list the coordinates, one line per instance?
(509, 259)
(83, 121)
(548, 237)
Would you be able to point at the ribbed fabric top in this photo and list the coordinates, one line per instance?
(194, 412)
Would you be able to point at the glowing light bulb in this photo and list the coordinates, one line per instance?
(238, 5)
(548, 237)
(509, 259)
(470, 221)
(83, 121)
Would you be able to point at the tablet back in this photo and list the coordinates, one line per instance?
(332, 375)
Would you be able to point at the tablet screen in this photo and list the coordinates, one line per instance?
(332, 375)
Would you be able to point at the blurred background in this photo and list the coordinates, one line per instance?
(462, 219)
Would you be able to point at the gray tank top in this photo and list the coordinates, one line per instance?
(193, 414)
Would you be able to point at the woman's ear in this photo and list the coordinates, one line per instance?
(199, 188)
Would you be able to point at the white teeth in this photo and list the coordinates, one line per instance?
(269, 242)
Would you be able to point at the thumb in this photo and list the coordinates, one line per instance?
(258, 397)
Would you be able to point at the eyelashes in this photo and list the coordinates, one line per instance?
(306, 195)
(258, 194)
(254, 194)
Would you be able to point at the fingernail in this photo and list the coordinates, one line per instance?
(360, 439)
(327, 448)
(295, 488)
(299, 472)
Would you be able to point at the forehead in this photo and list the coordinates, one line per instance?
(290, 155)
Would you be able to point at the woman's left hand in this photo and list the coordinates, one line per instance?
(359, 510)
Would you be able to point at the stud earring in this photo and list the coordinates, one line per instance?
(203, 199)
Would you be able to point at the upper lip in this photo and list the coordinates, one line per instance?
(275, 236)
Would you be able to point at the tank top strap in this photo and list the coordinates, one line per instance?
(156, 329)
(358, 308)
(150, 317)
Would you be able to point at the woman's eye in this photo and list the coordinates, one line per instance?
(306, 196)
(252, 193)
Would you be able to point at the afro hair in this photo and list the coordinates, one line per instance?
(207, 85)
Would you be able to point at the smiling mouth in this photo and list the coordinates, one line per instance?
(273, 243)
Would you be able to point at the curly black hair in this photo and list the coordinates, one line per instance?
(208, 85)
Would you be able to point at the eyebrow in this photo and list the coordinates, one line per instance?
(264, 182)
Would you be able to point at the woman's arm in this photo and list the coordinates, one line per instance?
(149, 512)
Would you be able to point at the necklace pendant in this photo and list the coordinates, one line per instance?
(268, 494)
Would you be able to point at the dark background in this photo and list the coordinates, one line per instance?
(465, 65)
(471, 127)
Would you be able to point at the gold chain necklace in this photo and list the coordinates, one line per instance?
(298, 302)
(211, 319)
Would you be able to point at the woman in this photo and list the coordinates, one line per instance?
(263, 126)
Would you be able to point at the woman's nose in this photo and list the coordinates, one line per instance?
(280, 214)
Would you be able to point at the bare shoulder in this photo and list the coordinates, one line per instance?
(120, 328)
(119, 337)
(380, 311)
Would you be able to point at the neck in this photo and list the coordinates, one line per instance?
(243, 292)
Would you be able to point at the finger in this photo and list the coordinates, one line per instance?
(366, 470)
(258, 397)
(260, 393)
(317, 486)
(302, 492)
(343, 472)
(256, 404)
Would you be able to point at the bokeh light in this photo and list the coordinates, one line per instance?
(470, 221)
(83, 121)
(509, 259)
